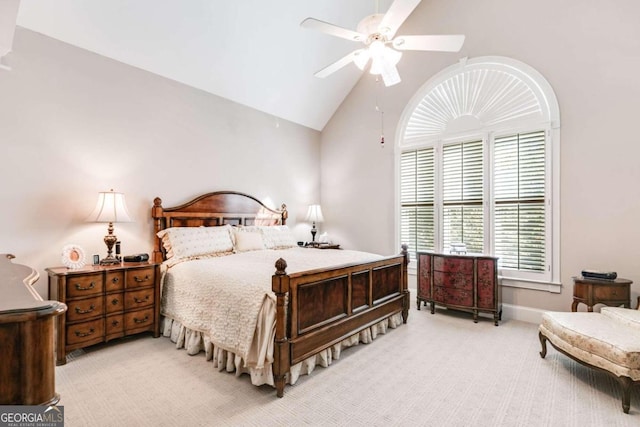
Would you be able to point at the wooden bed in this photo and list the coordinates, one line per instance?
(356, 296)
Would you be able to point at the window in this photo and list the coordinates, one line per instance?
(519, 201)
(462, 195)
(417, 198)
(478, 164)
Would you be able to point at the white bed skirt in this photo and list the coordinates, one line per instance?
(195, 342)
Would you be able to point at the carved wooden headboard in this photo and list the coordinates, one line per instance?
(212, 209)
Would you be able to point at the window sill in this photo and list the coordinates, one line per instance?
(536, 285)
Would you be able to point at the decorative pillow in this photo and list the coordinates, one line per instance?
(278, 237)
(182, 243)
(248, 241)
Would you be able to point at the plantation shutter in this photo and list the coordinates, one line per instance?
(519, 194)
(462, 176)
(417, 200)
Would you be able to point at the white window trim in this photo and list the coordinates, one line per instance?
(547, 118)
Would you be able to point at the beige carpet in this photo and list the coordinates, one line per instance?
(437, 370)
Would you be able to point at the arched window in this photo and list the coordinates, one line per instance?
(478, 164)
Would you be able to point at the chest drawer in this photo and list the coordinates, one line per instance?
(114, 303)
(604, 292)
(84, 285)
(455, 280)
(140, 277)
(114, 281)
(139, 299)
(140, 319)
(86, 331)
(85, 308)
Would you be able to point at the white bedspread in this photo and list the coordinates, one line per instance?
(229, 299)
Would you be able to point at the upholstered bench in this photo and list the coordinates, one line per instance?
(608, 341)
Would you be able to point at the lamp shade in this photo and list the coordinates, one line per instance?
(314, 214)
(111, 207)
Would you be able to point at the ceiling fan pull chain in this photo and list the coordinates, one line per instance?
(381, 112)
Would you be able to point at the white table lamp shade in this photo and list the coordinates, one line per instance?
(314, 213)
(111, 207)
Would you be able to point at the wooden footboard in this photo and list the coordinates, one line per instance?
(317, 309)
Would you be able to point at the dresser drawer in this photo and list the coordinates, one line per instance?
(459, 297)
(611, 293)
(84, 285)
(139, 299)
(141, 277)
(85, 308)
(457, 280)
(141, 319)
(453, 265)
(86, 331)
(114, 281)
(114, 325)
(114, 303)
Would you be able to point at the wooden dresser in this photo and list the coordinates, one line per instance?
(27, 327)
(105, 302)
(461, 282)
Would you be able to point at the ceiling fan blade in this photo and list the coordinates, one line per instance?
(334, 30)
(450, 43)
(398, 12)
(338, 64)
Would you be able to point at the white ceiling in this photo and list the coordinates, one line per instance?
(253, 52)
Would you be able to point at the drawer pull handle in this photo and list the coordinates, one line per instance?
(80, 288)
(89, 310)
(136, 320)
(141, 300)
(85, 334)
(115, 323)
(115, 301)
(115, 280)
(139, 280)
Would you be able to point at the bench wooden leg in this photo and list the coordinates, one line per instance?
(543, 342)
(625, 383)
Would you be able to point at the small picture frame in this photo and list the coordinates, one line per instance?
(73, 256)
(96, 259)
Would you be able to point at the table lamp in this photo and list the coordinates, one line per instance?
(110, 208)
(314, 214)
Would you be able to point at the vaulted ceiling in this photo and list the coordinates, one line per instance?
(253, 52)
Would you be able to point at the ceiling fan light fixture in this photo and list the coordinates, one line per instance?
(362, 58)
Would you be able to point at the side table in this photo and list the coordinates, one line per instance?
(608, 292)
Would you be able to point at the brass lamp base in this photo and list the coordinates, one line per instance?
(110, 260)
(110, 240)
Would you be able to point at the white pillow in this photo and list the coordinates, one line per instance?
(278, 237)
(248, 241)
(182, 243)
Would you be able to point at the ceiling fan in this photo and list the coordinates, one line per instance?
(377, 33)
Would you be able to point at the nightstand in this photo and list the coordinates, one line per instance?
(104, 303)
(609, 292)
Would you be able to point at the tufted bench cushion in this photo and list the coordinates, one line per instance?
(609, 340)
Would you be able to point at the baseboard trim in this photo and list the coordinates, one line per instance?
(524, 314)
(509, 311)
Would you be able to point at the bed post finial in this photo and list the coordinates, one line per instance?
(158, 224)
(285, 214)
(405, 251)
(281, 266)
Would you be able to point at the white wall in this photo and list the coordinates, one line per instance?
(589, 51)
(73, 123)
